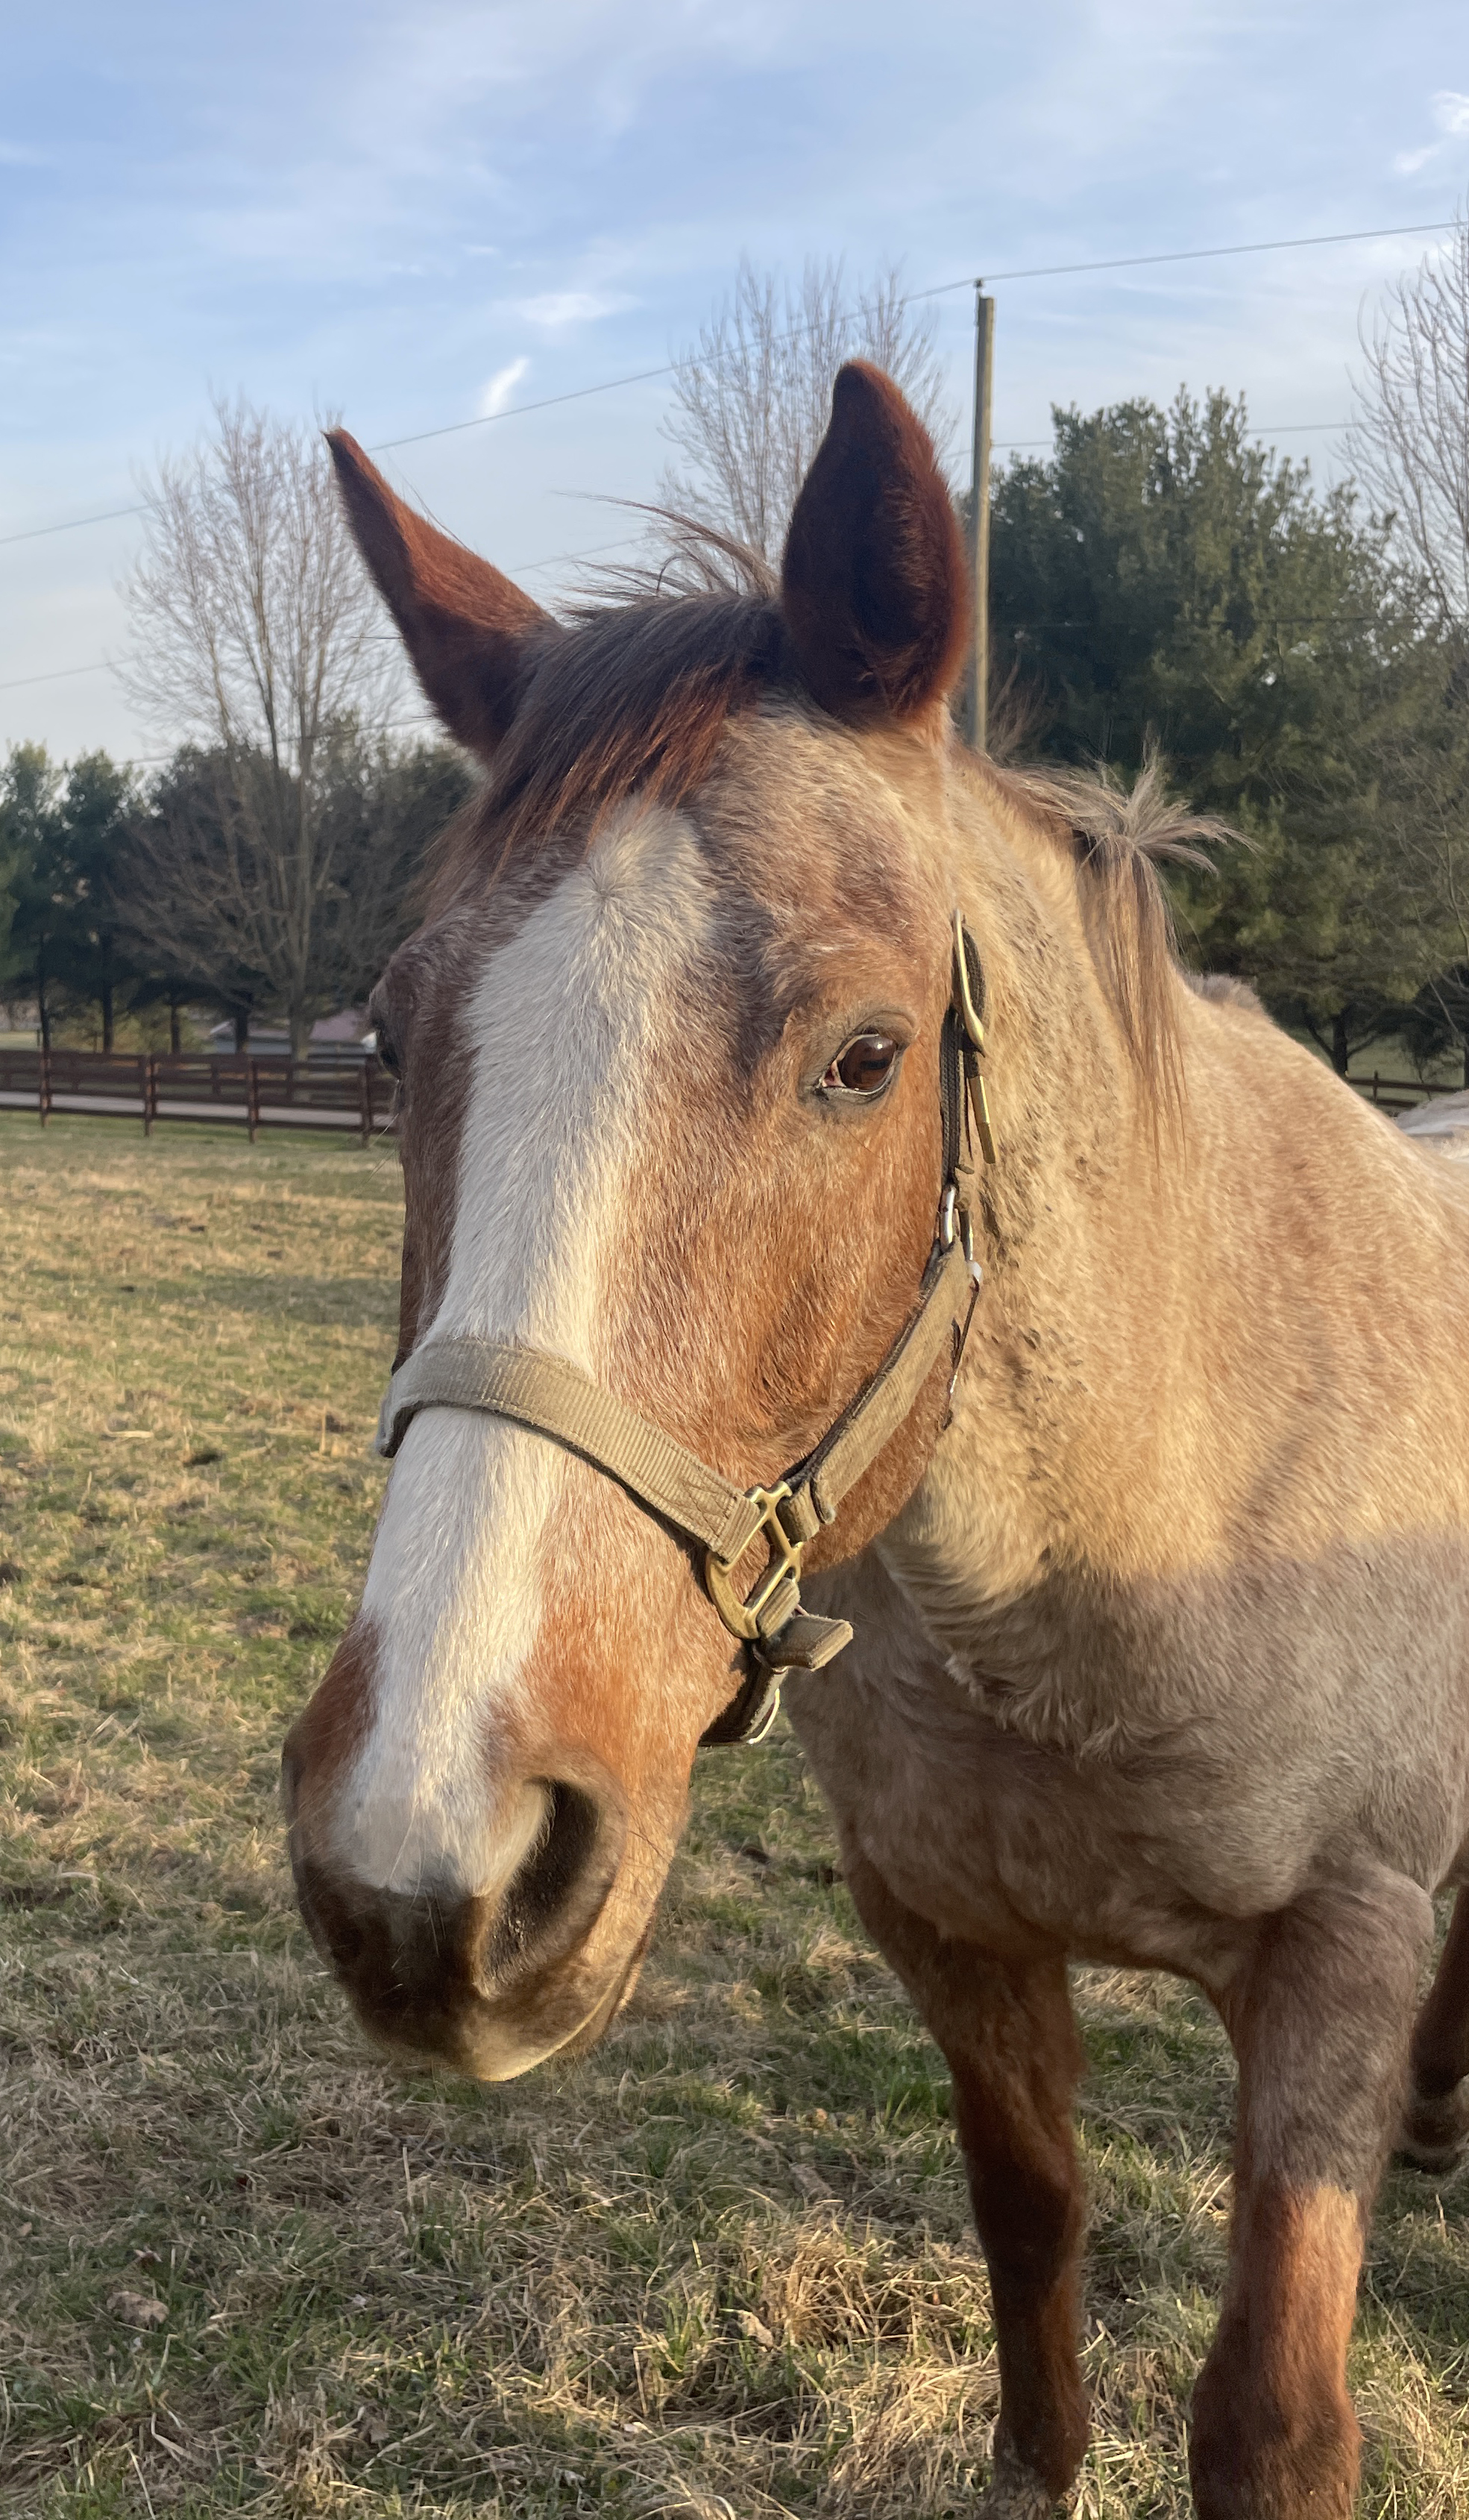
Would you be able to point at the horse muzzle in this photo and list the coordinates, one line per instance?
(490, 1982)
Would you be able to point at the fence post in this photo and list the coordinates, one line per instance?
(44, 1088)
(365, 1101)
(252, 1096)
(145, 1079)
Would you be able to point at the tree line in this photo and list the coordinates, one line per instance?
(121, 896)
(270, 867)
(1161, 584)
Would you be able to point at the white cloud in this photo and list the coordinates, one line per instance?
(1451, 111)
(562, 307)
(502, 386)
(1411, 161)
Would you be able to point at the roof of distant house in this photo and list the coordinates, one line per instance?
(347, 1026)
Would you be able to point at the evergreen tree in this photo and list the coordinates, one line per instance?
(63, 833)
(96, 806)
(1162, 578)
(37, 952)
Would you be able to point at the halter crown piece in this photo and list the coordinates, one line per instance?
(554, 1399)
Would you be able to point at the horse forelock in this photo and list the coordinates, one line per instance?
(624, 698)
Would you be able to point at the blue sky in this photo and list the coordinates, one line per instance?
(383, 210)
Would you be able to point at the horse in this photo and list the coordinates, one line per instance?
(819, 1173)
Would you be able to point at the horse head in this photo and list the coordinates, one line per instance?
(668, 1047)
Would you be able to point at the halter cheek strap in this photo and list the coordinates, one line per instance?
(553, 1398)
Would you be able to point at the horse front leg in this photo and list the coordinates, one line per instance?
(1007, 2031)
(1319, 2020)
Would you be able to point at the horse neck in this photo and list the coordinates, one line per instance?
(1064, 1365)
(1090, 1114)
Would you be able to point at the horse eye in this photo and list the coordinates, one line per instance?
(863, 1067)
(387, 1053)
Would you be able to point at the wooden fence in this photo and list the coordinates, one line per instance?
(1398, 1093)
(260, 1093)
(301, 1094)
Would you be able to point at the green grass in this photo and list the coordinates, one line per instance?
(722, 2267)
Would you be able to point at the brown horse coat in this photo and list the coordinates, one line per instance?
(1161, 1652)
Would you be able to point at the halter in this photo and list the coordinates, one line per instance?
(556, 1399)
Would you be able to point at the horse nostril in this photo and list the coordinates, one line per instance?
(541, 1893)
(332, 1915)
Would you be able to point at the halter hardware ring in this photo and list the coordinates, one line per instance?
(764, 1723)
(749, 1619)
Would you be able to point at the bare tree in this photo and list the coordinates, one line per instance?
(1410, 447)
(195, 900)
(753, 396)
(257, 640)
(1409, 444)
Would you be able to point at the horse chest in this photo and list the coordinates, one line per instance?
(1130, 1769)
(1144, 1844)
(998, 1841)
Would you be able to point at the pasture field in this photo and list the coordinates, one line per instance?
(723, 2268)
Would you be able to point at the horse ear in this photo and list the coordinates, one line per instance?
(875, 586)
(465, 626)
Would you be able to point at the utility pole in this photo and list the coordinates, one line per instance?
(977, 709)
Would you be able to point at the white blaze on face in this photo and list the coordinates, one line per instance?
(569, 1027)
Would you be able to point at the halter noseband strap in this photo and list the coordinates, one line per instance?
(552, 1398)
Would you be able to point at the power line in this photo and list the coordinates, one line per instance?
(1263, 429)
(915, 296)
(524, 567)
(106, 665)
(579, 394)
(1189, 254)
(59, 673)
(32, 533)
(594, 550)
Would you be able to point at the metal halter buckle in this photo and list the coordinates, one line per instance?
(970, 1016)
(974, 1045)
(750, 1619)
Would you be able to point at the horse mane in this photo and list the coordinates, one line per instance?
(1117, 838)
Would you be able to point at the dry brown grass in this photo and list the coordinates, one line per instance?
(721, 2267)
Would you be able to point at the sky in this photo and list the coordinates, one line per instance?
(415, 217)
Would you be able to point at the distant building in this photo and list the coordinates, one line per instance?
(344, 1035)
